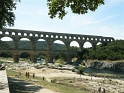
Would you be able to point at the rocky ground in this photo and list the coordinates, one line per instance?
(111, 85)
(50, 71)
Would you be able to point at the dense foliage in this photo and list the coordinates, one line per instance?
(4, 45)
(58, 7)
(7, 16)
(112, 51)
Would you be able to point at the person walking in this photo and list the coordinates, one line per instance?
(33, 75)
(26, 74)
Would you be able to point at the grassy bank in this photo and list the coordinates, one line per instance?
(39, 82)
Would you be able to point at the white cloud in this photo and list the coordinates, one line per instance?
(112, 3)
(87, 20)
(116, 32)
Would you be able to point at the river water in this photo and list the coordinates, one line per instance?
(101, 71)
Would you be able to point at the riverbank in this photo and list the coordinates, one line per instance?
(89, 83)
(66, 78)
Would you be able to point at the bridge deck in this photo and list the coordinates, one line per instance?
(3, 82)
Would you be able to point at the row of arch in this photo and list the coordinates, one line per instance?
(32, 56)
(26, 33)
(42, 43)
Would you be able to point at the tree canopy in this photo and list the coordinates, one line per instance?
(56, 7)
(7, 15)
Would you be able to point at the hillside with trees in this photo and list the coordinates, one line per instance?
(112, 51)
(4, 45)
(40, 45)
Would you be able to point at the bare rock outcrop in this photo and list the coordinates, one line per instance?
(116, 66)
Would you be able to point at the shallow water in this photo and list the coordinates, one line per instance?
(92, 70)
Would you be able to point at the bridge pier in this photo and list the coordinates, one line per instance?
(33, 58)
(16, 58)
(50, 59)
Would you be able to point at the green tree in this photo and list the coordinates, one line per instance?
(56, 7)
(7, 16)
(80, 70)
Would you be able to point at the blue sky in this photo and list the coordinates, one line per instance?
(107, 20)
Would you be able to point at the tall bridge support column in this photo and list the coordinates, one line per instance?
(33, 42)
(50, 59)
(94, 45)
(81, 44)
(16, 40)
(67, 44)
(33, 58)
(16, 58)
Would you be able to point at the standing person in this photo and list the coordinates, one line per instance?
(26, 75)
(20, 74)
(33, 75)
(43, 78)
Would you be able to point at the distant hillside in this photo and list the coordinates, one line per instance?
(41, 45)
(4, 45)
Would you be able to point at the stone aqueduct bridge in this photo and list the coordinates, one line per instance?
(49, 37)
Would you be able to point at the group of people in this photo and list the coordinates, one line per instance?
(28, 75)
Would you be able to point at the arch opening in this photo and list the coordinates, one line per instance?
(87, 45)
(99, 44)
(74, 46)
(58, 45)
(41, 44)
(6, 57)
(6, 43)
(24, 43)
(41, 58)
(24, 57)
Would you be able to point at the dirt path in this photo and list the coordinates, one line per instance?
(21, 86)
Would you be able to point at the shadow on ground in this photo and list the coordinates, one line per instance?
(3, 86)
(21, 86)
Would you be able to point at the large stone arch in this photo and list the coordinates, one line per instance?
(7, 40)
(87, 44)
(23, 41)
(26, 56)
(41, 43)
(59, 42)
(75, 44)
(41, 56)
